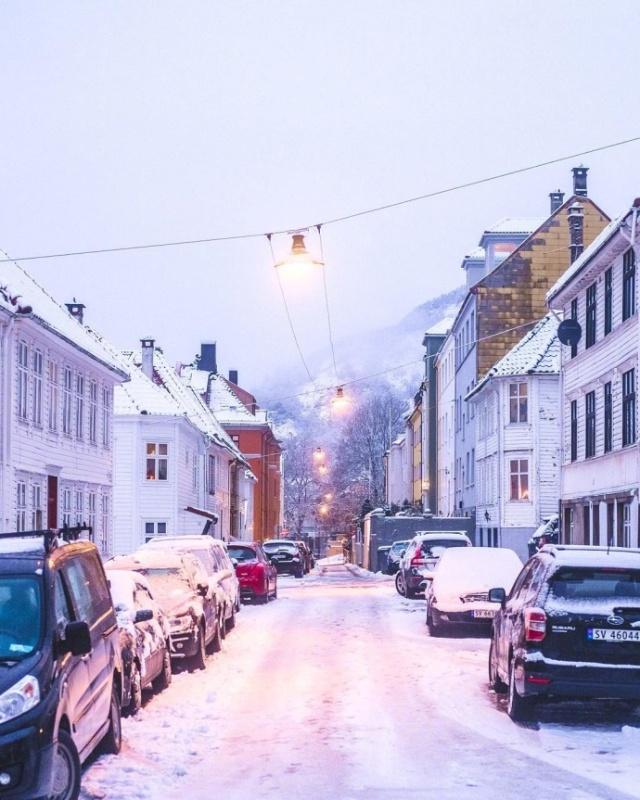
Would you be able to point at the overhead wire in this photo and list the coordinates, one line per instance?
(326, 302)
(332, 220)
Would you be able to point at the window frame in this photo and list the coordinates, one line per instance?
(608, 418)
(590, 424)
(574, 315)
(591, 300)
(628, 284)
(156, 461)
(516, 399)
(522, 488)
(628, 407)
(23, 381)
(574, 430)
(37, 384)
(608, 301)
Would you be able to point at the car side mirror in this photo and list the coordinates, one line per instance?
(497, 596)
(144, 615)
(77, 639)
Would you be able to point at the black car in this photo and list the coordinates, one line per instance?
(60, 667)
(285, 556)
(569, 628)
(394, 554)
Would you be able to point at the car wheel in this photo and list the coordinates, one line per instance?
(222, 625)
(434, 630)
(66, 769)
(231, 622)
(518, 708)
(199, 659)
(495, 682)
(400, 585)
(112, 741)
(238, 605)
(135, 702)
(164, 678)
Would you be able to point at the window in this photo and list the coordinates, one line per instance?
(79, 507)
(93, 412)
(61, 607)
(518, 402)
(23, 380)
(38, 369)
(91, 511)
(519, 478)
(152, 529)
(590, 338)
(106, 417)
(79, 406)
(36, 507)
(66, 401)
(608, 418)
(628, 407)
(157, 456)
(574, 315)
(66, 508)
(590, 424)
(468, 470)
(104, 533)
(628, 284)
(211, 475)
(626, 525)
(21, 506)
(53, 396)
(194, 470)
(574, 430)
(88, 588)
(608, 301)
(472, 480)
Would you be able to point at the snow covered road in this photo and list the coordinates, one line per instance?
(336, 691)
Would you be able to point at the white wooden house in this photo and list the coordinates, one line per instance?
(175, 467)
(599, 379)
(57, 380)
(517, 445)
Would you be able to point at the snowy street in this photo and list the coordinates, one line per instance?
(336, 691)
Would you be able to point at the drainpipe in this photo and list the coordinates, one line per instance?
(5, 453)
(500, 470)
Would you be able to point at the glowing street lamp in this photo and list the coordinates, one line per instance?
(322, 469)
(328, 496)
(318, 454)
(323, 510)
(299, 259)
(340, 403)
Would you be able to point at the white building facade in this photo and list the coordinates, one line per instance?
(446, 405)
(398, 471)
(57, 381)
(599, 378)
(517, 448)
(176, 471)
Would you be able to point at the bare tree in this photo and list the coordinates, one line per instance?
(300, 487)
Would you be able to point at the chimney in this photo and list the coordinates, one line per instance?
(580, 181)
(576, 230)
(76, 310)
(233, 376)
(148, 347)
(557, 199)
(207, 360)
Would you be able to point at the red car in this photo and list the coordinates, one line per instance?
(257, 576)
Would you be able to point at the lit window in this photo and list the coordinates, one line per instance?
(157, 457)
(519, 479)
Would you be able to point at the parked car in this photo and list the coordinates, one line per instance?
(212, 554)
(569, 628)
(60, 665)
(285, 555)
(306, 553)
(181, 588)
(421, 557)
(144, 637)
(457, 590)
(394, 554)
(257, 575)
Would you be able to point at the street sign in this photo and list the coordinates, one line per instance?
(569, 332)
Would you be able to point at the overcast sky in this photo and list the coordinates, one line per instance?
(134, 122)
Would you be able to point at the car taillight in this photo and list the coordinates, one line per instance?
(535, 624)
(417, 558)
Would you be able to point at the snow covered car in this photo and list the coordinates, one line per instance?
(257, 575)
(394, 554)
(213, 557)
(285, 556)
(181, 588)
(144, 637)
(457, 590)
(569, 628)
(308, 558)
(421, 557)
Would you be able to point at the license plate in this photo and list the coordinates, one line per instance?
(484, 614)
(609, 635)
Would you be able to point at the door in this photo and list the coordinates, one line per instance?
(52, 502)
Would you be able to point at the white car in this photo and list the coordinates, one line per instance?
(214, 559)
(457, 590)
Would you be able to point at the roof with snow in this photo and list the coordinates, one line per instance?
(441, 328)
(597, 244)
(537, 353)
(223, 401)
(515, 225)
(477, 254)
(18, 289)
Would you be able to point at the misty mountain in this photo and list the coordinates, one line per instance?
(393, 353)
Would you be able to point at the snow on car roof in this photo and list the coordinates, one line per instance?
(476, 568)
(194, 540)
(147, 559)
(577, 556)
(442, 535)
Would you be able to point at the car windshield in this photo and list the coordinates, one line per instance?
(594, 584)
(242, 553)
(166, 582)
(273, 546)
(20, 616)
(398, 547)
(434, 548)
